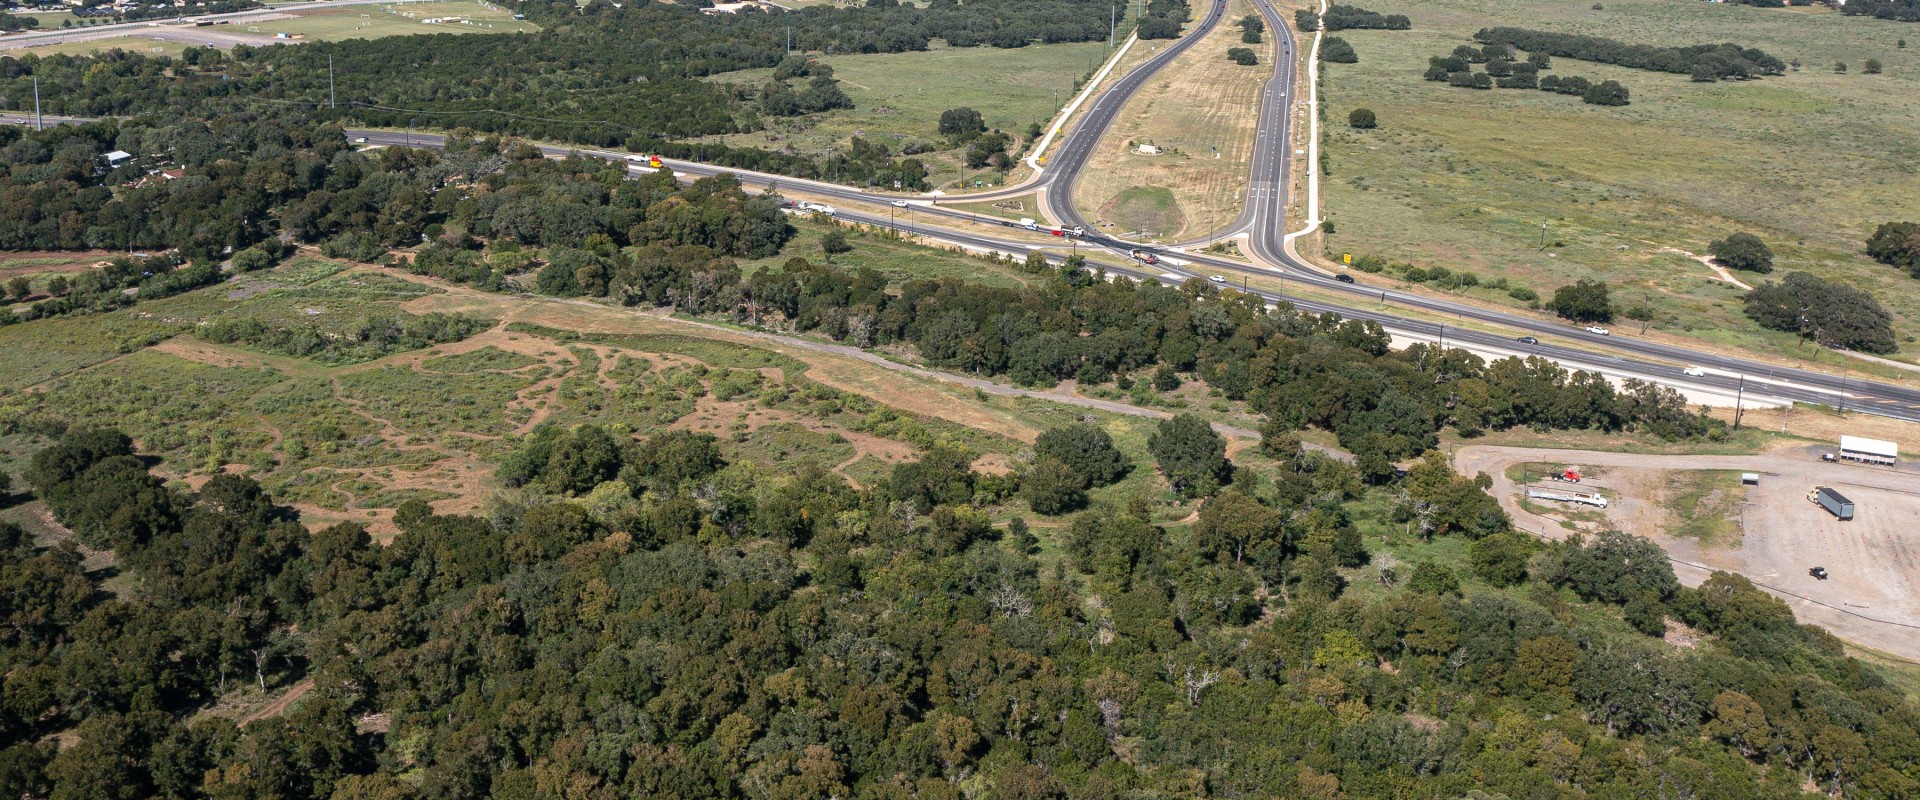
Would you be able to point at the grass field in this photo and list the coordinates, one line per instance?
(400, 19)
(898, 259)
(1200, 112)
(898, 97)
(1810, 161)
(131, 43)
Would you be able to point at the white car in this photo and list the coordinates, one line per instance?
(359, 140)
(899, 204)
(1598, 331)
(1694, 372)
(1216, 279)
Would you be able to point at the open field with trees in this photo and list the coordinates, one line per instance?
(1200, 112)
(1810, 161)
(898, 99)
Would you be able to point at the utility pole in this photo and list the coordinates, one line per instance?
(1543, 234)
(1738, 395)
(330, 104)
(1113, 22)
(39, 122)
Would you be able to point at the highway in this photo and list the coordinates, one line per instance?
(1264, 221)
(59, 35)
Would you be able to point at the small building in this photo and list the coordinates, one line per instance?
(173, 174)
(1148, 149)
(118, 157)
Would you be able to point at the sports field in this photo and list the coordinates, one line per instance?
(1810, 161)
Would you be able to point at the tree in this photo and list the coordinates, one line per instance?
(1872, 66)
(1618, 567)
(57, 286)
(1840, 67)
(1338, 51)
(1501, 558)
(1582, 301)
(834, 243)
(961, 125)
(1362, 118)
(1251, 27)
(18, 288)
(1831, 313)
(1897, 244)
(1191, 455)
(1242, 56)
(1743, 251)
(1087, 450)
(1606, 93)
(1052, 487)
(1434, 580)
(1236, 528)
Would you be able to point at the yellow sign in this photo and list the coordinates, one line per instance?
(1346, 258)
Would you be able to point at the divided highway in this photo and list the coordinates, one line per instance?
(1263, 221)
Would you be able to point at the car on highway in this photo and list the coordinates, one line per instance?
(899, 204)
(1529, 340)
(1694, 372)
(1077, 231)
(1216, 279)
(1598, 331)
(359, 140)
(1343, 278)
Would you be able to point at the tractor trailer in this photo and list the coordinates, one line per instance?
(1834, 502)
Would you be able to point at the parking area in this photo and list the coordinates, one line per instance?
(1698, 509)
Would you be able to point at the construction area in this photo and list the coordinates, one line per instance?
(1835, 536)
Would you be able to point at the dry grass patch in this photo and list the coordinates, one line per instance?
(1201, 104)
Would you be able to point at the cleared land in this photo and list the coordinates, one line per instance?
(1695, 507)
(898, 98)
(352, 22)
(1201, 112)
(1810, 161)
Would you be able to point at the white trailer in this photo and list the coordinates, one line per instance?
(1594, 499)
(1870, 451)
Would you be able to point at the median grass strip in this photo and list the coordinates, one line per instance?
(1199, 113)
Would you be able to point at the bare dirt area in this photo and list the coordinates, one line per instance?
(1872, 596)
(33, 262)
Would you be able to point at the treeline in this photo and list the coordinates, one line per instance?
(1163, 19)
(1341, 18)
(1503, 71)
(1704, 62)
(1896, 10)
(118, 284)
(1297, 369)
(17, 22)
(363, 340)
(641, 618)
(648, 98)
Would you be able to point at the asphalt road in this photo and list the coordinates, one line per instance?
(59, 35)
(1266, 222)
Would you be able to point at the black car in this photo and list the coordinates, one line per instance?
(1529, 340)
(1343, 278)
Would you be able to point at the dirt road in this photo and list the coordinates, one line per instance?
(1873, 595)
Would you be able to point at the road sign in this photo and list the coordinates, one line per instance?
(1346, 258)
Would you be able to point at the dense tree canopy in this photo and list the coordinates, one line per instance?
(1724, 60)
(1897, 244)
(1582, 301)
(1743, 251)
(1833, 314)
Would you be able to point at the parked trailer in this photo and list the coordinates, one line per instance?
(1869, 451)
(1144, 256)
(1834, 502)
(1568, 496)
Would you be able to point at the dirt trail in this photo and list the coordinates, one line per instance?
(1722, 272)
(279, 705)
(1872, 596)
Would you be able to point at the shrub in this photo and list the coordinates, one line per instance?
(1242, 56)
(1743, 251)
(1363, 119)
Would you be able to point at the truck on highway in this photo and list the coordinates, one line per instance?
(1029, 224)
(1143, 256)
(644, 161)
(1834, 502)
(810, 207)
